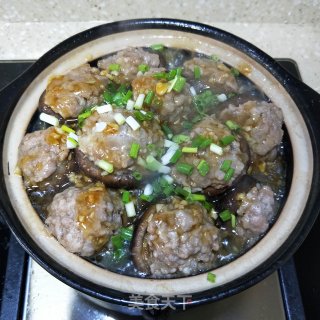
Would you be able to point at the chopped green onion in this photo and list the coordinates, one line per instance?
(149, 97)
(139, 102)
(132, 122)
(143, 68)
(181, 192)
(203, 168)
(226, 140)
(185, 168)
(229, 174)
(171, 74)
(127, 97)
(189, 150)
(197, 72)
(225, 166)
(232, 125)
(233, 221)
(141, 162)
(201, 142)
(137, 175)
(168, 190)
(179, 84)
(146, 198)
(134, 150)
(105, 108)
(235, 72)
(143, 116)
(49, 119)
(207, 205)
(117, 241)
(159, 75)
(119, 118)
(148, 189)
(165, 159)
(177, 155)
(216, 149)
(104, 165)
(196, 197)
(67, 129)
(130, 209)
(211, 277)
(169, 179)
(152, 163)
(157, 47)
(167, 131)
(179, 71)
(84, 115)
(126, 233)
(71, 143)
(222, 97)
(169, 144)
(114, 67)
(179, 138)
(126, 197)
(225, 215)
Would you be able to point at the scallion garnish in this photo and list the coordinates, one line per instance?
(134, 150)
(149, 97)
(148, 189)
(233, 221)
(189, 150)
(226, 140)
(185, 168)
(126, 233)
(201, 142)
(67, 129)
(132, 122)
(139, 102)
(146, 198)
(114, 67)
(196, 197)
(225, 166)
(171, 74)
(146, 116)
(180, 138)
(225, 215)
(159, 75)
(182, 192)
(179, 84)
(211, 277)
(49, 119)
(86, 113)
(157, 47)
(229, 174)
(119, 118)
(71, 143)
(126, 197)
(177, 155)
(130, 209)
(203, 168)
(143, 68)
(197, 72)
(167, 131)
(104, 165)
(216, 149)
(205, 100)
(137, 175)
(232, 125)
(187, 125)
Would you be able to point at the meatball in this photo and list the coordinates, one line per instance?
(256, 210)
(215, 179)
(83, 219)
(40, 153)
(69, 94)
(129, 61)
(214, 74)
(171, 107)
(261, 123)
(113, 143)
(175, 239)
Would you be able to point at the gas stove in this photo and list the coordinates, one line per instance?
(28, 292)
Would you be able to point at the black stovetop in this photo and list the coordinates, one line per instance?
(300, 272)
